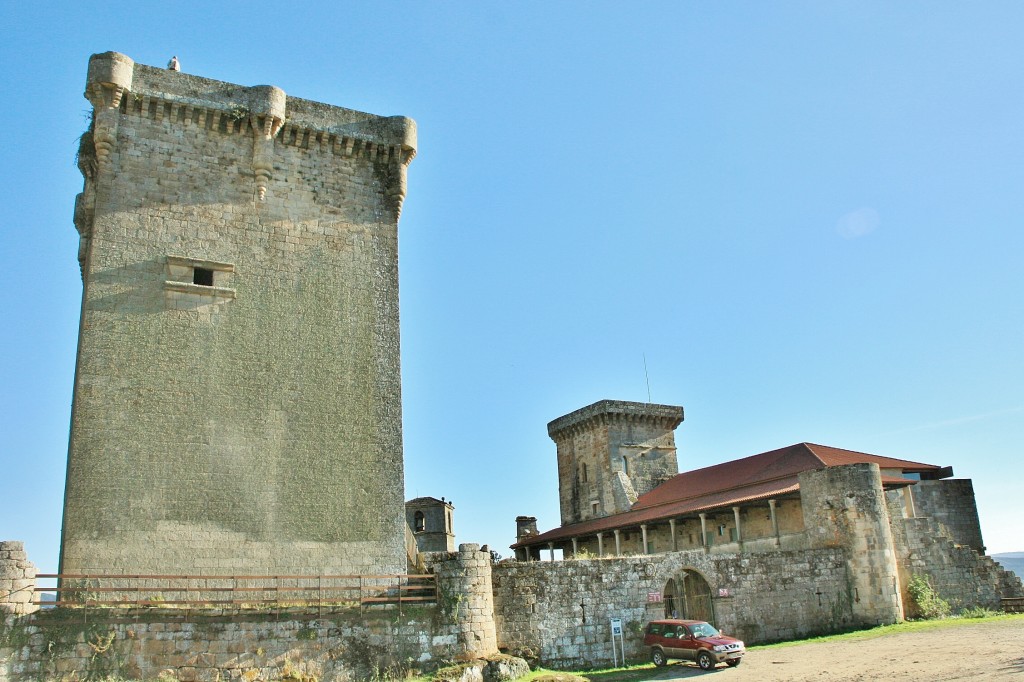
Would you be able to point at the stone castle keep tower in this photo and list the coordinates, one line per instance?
(237, 399)
(611, 452)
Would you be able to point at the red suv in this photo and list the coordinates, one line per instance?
(692, 640)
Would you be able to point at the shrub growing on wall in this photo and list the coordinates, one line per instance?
(929, 604)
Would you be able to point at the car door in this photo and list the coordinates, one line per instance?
(657, 637)
(667, 640)
(687, 645)
(671, 641)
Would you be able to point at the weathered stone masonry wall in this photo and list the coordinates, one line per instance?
(74, 644)
(466, 597)
(960, 575)
(255, 422)
(17, 579)
(845, 507)
(951, 502)
(336, 647)
(846, 573)
(559, 612)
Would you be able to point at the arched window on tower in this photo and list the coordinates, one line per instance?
(418, 522)
(625, 465)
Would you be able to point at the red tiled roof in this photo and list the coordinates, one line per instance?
(837, 457)
(759, 477)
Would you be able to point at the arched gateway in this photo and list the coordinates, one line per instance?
(670, 594)
(689, 597)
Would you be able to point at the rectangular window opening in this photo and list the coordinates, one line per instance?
(202, 276)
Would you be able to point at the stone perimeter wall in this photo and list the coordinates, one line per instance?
(558, 613)
(554, 613)
(951, 503)
(927, 547)
(17, 579)
(465, 595)
(336, 647)
(858, 554)
(70, 644)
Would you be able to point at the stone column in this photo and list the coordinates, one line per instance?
(775, 520)
(467, 600)
(703, 530)
(643, 532)
(618, 542)
(672, 531)
(551, 550)
(739, 531)
(600, 544)
(17, 580)
(575, 546)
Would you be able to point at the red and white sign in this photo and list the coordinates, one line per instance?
(654, 597)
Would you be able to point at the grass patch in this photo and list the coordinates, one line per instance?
(642, 671)
(627, 673)
(907, 626)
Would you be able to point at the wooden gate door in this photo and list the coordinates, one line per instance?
(696, 598)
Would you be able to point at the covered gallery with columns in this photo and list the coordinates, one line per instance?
(620, 493)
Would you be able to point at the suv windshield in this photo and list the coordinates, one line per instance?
(701, 630)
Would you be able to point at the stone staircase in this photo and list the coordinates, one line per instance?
(958, 573)
(1011, 588)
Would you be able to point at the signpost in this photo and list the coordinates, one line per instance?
(617, 632)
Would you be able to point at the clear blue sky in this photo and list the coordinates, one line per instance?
(808, 216)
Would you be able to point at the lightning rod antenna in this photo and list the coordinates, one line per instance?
(647, 378)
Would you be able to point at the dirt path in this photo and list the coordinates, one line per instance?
(984, 651)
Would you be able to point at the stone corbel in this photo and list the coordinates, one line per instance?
(398, 184)
(110, 76)
(267, 115)
(84, 211)
(401, 156)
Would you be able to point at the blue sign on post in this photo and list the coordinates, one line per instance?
(617, 632)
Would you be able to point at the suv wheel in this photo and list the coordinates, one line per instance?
(658, 657)
(705, 661)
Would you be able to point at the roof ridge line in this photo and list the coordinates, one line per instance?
(808, 448)
(715, 492)
(756, 454)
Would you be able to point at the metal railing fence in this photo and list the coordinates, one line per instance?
(224, 593)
